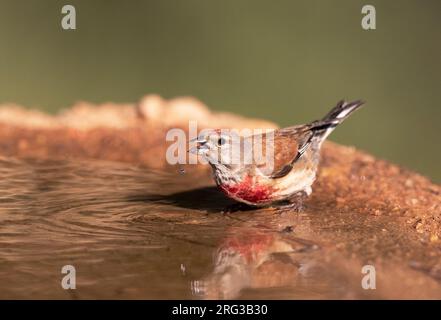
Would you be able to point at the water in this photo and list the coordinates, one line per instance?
(135, 233)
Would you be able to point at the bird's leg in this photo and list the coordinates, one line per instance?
(296, 202)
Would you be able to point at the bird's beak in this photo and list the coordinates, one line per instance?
(201, 146)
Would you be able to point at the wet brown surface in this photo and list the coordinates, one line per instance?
(134, 232)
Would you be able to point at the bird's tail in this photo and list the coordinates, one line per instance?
(337, 115)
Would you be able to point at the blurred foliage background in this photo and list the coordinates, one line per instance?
(287, 61)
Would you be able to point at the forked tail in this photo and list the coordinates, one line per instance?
(320, 130)
(336, 116)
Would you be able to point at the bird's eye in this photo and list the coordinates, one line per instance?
(221, 141)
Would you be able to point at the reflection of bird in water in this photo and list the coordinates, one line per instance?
(253, 258)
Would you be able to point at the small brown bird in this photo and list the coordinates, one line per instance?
(274, 167)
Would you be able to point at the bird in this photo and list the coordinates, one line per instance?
(272, 168)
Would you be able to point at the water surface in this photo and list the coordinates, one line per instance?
(132, 232)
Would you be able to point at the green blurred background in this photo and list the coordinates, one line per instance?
(287, 61)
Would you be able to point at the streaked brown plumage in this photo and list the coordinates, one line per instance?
(271, 167)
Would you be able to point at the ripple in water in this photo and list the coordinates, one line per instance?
(130, 231)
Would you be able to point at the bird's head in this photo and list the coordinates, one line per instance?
(218, 147)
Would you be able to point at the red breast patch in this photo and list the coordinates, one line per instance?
(248, 190)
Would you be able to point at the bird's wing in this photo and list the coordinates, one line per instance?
(288, 145)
